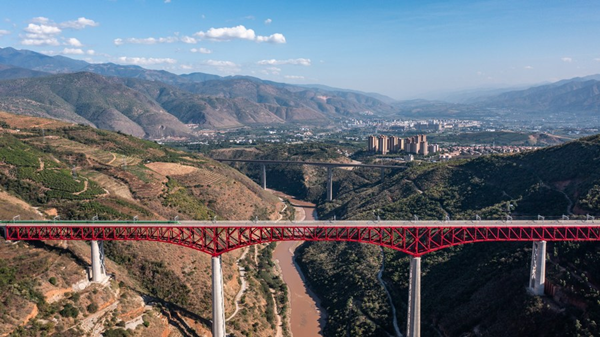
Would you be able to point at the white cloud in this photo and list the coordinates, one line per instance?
(268, 21)
(294, 77)
(40, 42)
(221, 63)
(72, 51)
(201, 50)
(271, 71)
(186, 67)
(4, 32)
(90, 52)
(41, 20)
(73, 42)
(167, 1)
(238, 33)
(298, 61)
(146, 61)
(274, 38)
(148, 40)
(224, 66)
(80, 23)
(41, 30)
(567, 59)
(528, 67)
(228, 34)
(188, 39)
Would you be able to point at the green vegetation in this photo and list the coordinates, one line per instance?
(92, 308)
(461, 285)
(69, 311)
(160, 281)
(357, 306)
(183, 200)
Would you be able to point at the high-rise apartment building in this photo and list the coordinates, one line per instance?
(382, 144)
(373, 144)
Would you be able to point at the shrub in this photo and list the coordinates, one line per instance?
(92, 308)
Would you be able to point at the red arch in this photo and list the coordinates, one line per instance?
(215, 240)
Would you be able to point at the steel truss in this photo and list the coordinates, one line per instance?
(215, 240)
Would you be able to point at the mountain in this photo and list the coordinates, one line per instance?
(206, 111)
(380, 97)
(290, 105)
(8, 72)
(286, 102)
(35, 61)
(579, 95)
(90, 99)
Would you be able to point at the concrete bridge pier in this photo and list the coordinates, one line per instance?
(98, 268)
(382, 173)
(537, 276)
(263, 177)
(329, 183)
(413, 325)
(218, 322)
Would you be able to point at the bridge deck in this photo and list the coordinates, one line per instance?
(312, 163)
(315, 223)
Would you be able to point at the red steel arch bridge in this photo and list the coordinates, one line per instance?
(415, 238)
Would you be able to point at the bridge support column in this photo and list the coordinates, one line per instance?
(537, 277)
(413, 325)
(382, 172)
(218, 322)
(329, 183)
(263, 176)
(98, 268)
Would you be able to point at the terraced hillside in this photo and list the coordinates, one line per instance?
(50, 168)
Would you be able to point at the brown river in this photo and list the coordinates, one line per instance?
(307, 319)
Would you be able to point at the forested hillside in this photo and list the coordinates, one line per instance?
(472, 290)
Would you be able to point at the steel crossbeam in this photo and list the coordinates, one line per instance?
(216, 239)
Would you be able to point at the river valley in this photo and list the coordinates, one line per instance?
(307, 318)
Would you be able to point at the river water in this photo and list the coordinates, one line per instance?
(307, 318)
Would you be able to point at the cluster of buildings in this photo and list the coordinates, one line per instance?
(480, 150)
(392, 144)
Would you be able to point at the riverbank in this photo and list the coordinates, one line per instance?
(307, 318)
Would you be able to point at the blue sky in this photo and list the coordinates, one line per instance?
(404, 49)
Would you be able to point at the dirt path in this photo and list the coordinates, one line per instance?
(112, 160)
(244, 286)
(279, 328)
(85, 187)
(389, 296)
(41, 164)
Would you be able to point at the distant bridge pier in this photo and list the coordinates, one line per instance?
(537, 277)
(382, 172)
(263, 177)
(98, 268)
(413, 325)
(218, 321)
(329, 183)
